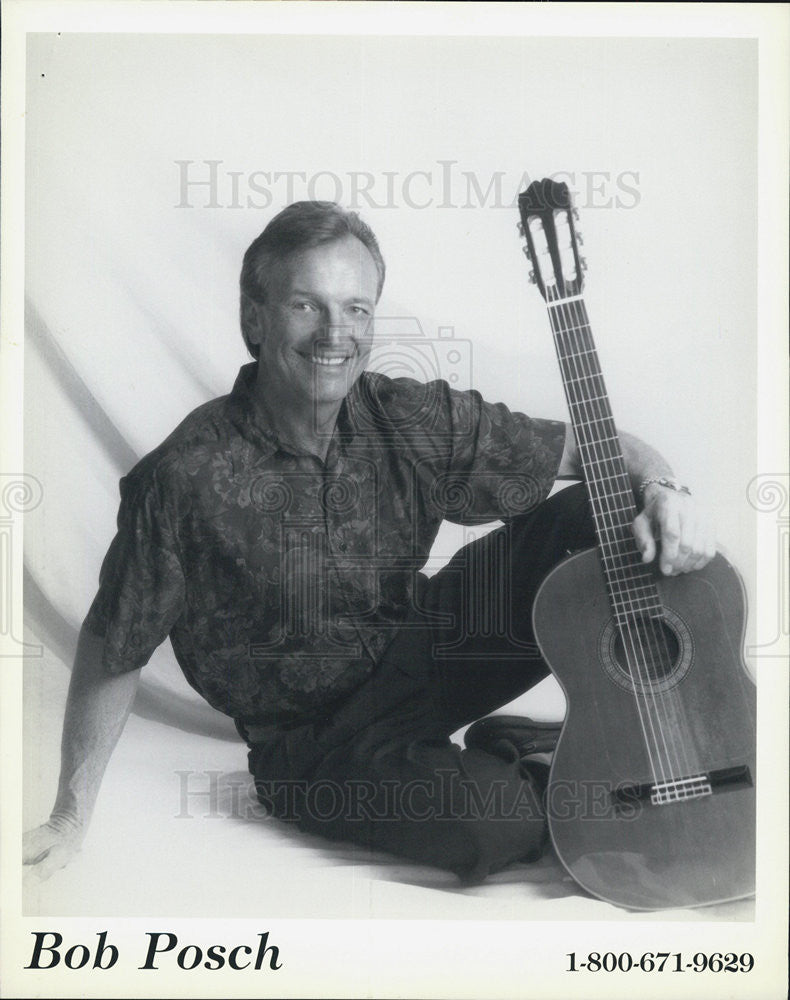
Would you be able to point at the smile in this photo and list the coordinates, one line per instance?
(327, 360)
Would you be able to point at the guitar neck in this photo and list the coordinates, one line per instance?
(631, 588)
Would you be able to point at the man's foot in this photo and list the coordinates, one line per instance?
(512, 737)
(516, 738)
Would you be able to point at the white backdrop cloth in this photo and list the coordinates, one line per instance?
(154, 160)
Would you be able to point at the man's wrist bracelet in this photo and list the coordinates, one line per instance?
(670, 484)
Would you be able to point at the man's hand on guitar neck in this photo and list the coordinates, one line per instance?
(671, 524)
(674, 525)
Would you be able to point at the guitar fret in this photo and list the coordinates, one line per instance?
(622, 476)
(606, 419)
(569, 355)
(616, 558)
(565, 349)
(605, 473)
(602, 440)
(641, 604)
(619, 529)
(586, 378)
(607, 468)
(611, 525)
(617, 493)
(605, 460)
(624, 573)
(646, 599)
(631, 616)
(620, 554)
(578, 354)
(632, 589)
(625, 580)
(618, 571)
(612, 453)
(636, 606)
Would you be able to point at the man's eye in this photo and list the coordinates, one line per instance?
(303, 306)
(359, 311)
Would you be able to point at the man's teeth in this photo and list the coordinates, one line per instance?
(328, 361)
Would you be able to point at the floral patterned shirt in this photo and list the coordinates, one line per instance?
(280, 578)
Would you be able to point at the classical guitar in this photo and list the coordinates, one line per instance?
(651, 797)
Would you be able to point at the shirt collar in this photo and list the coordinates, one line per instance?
(246, 410)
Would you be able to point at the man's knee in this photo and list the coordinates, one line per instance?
(561, 524)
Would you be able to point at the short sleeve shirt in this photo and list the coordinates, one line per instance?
(281, 579)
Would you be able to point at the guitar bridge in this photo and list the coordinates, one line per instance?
(680, 789)
(693, 786)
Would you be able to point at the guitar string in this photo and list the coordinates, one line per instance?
(610, 456)
(566, 365)
(632, 640)
(667, 700)
(584, 358)
(654, 632)
(627, 602)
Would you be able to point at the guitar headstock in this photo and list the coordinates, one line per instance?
(552, 243)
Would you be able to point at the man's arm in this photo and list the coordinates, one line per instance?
(97, 708)
(685, 532)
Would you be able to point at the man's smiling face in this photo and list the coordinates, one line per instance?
(315, 327)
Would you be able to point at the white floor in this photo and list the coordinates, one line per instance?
(177, 832)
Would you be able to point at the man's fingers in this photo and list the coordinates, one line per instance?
(704, 547)
(684, 533)
(36, 844)
(670, 539)
(45, 850)
(52, 861)
(30, 859)
(644, 537)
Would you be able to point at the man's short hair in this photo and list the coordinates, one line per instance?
(301, 226)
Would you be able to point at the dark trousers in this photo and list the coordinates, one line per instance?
(382, 771)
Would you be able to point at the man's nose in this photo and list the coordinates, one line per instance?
(336, 328)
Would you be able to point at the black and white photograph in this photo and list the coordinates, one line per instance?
(394, 500)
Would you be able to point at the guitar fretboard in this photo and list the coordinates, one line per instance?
(632, 591)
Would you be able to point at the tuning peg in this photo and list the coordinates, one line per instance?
(520, 227)
(575, 213)
(532, 278)
(525, 251)
(583, 263)
(580, 239)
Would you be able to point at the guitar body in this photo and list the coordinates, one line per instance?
(613, 840)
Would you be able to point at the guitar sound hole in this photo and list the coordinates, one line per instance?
(648, 647)
(651, 654)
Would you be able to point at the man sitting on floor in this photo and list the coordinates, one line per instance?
(277, 536)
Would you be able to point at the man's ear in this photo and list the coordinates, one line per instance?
(251, 320)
